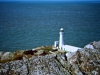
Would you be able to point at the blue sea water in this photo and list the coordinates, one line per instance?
(26, 25)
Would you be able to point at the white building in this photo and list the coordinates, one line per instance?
(61, 40)
(61, 45)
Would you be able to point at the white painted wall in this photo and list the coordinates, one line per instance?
(61, 40)
(70, 48)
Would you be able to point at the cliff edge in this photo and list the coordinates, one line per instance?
(49, 61)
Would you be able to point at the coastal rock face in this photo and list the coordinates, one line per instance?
(93, 45)
(85, 61)
(36, 65)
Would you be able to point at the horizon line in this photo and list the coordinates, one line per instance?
(51, 0)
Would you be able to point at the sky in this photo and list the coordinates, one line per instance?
(49, 0)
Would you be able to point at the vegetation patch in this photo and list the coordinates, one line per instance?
(46, 49)
(18, 55)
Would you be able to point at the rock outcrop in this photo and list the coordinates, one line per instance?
(45, 61)
(85, 61)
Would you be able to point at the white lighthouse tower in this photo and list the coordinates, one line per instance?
(61, 41)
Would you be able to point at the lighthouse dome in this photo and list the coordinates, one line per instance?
(61, 30)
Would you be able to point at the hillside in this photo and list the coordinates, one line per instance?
(48, 61)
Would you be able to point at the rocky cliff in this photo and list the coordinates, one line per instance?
(48, 61)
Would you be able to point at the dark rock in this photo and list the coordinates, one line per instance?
(43, 54)
(28, 52)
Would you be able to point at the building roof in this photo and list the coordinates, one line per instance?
(70, 48)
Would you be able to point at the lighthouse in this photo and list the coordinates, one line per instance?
(61, 45)
(61, 41)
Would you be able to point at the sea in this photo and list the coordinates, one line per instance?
(27, 25)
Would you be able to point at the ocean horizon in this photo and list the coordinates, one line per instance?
(26, 25)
